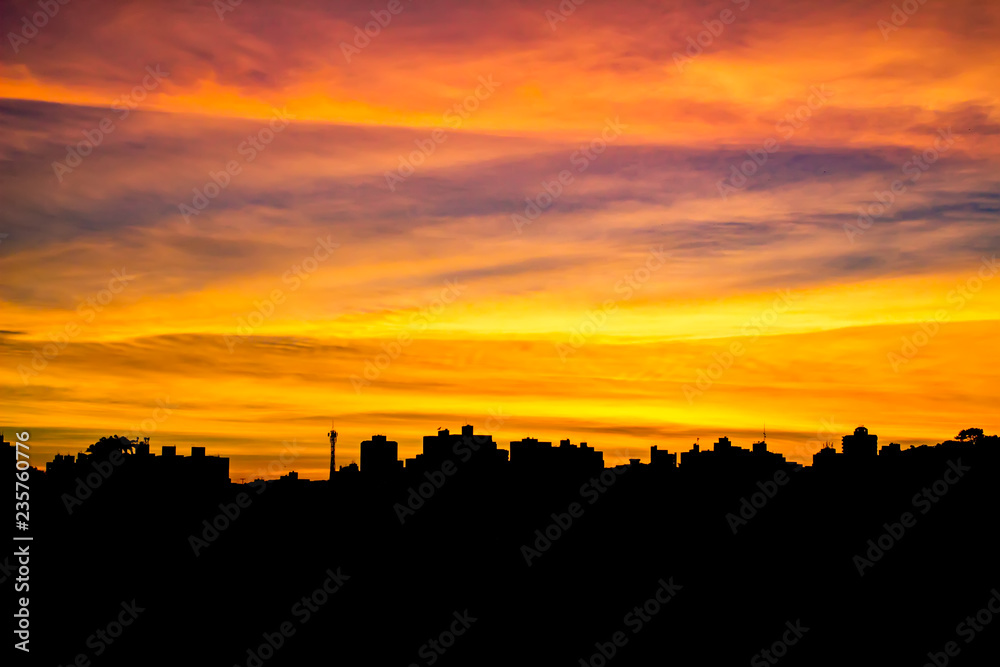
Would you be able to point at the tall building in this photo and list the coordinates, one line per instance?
(662, 458)
(469, 449)
(861, 445)
(530, 453)
(380, 456)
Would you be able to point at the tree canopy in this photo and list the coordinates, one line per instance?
(973, 434)
(102, 448)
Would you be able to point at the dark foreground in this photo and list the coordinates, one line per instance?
(889, 564)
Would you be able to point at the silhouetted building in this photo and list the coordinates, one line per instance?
(469, 449)
(861, 444)
(726, 456)
(198, 470)
(141, 448)
(380, 456)
(59, 463)
(291, 478)
(439, 447)
(892, 449)
(722, 453)
(825, 458)
(664, 458)
(532, 455)
(691, 455)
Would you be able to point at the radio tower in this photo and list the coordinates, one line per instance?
(333, 450)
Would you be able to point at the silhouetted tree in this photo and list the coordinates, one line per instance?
(102, 448)
(973, 434)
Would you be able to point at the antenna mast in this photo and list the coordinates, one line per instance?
(333, 448)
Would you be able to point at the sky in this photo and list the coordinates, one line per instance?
(627, 224)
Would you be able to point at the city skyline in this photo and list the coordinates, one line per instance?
(548, 555)
(292, 457)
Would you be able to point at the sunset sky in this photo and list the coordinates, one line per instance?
(525, 215)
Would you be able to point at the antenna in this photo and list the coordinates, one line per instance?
(333, 447)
